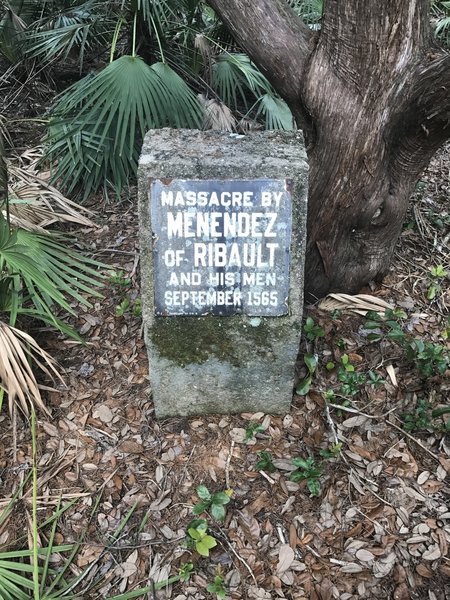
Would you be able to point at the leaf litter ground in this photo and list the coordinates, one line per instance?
(380, 526)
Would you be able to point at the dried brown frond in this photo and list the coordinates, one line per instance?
(359, 304)
(203, 46)
(17, 350)
(34, 203)
(217, 115)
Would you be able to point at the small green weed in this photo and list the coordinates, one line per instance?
(332, 451)
(435, 276)
(419, 419)
(123, 307)
(429, 358)
(439, 220)
(423, 416)
(213, 502)
(351, 381)
(341, 344)
(311, 330)
(265, 462)
(375, 379)
(308, 469)
(137, 308)
(197, 536)
(217, 587)
(330, 397)
(251, 430)
(126, 305)
(119, 278)
(446, 332)
(311, 362)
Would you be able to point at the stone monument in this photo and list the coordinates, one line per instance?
(222, 231)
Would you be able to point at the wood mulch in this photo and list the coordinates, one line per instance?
(380, 527)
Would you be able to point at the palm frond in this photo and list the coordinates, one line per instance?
(58, 42)
(310, 11)
(35, 204)
(232, 78)
(442, 26)
(157, 13)
(39, 272)
(276, 112)
(12, 28)
(184, 109)
(78, 27)
(4, 137)
(16, 376)
(63, 271)
(218, 116)
(98, 121)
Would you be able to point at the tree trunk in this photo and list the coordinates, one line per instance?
(371, 93)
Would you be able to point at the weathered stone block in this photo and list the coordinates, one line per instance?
(222, 232)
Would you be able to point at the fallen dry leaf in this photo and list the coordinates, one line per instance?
(285, 558)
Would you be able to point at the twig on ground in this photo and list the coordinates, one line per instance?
(240, 559)
(369, 489)
(135, 264)
(14, 432)
(358, 412)
(415, 440)
(331, 423)
(316, 554)
(269, 479)
(372, 520)
(114, 251)
(227, 466)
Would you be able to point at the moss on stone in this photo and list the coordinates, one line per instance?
(188, 340)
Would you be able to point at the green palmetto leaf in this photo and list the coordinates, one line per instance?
(15, 585)
(12, 29)
(58, 42)
(276, 112)
(238, 83)
(184, 109)
(76, 27)
(442, 26)
(235, 77)
(48, 271)
(159, 13)
(310, 11)
(38, 271)
(98, 122)
(70, 272)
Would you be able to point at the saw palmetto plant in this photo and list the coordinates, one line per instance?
(137, 65)
(38, 273)
(39, 276)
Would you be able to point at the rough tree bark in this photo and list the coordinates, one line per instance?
(372, 95)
